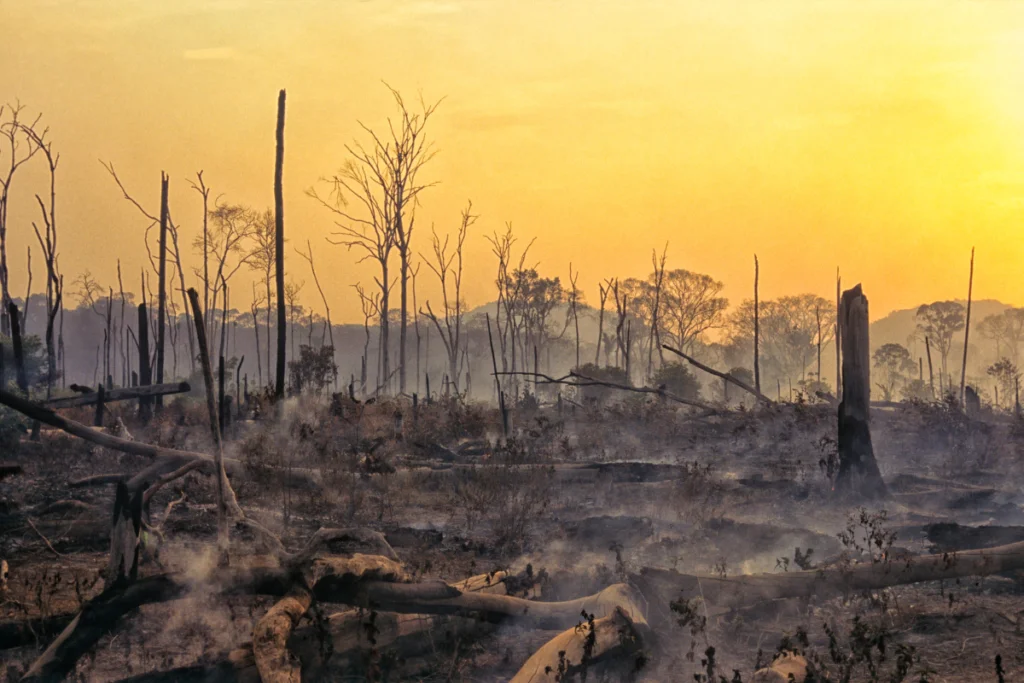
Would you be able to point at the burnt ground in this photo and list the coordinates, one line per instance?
(586, 498)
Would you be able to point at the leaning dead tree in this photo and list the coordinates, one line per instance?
(858, 471)
(724, 376)
(447, 266)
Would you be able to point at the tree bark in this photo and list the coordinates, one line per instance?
(858, 471)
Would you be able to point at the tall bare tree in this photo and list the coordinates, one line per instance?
(48, 243)
(18, 147)
(447, 266)
(279, 246)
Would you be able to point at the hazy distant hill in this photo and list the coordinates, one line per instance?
(898, 325)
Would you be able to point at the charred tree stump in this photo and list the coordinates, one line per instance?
(972, 402)
(858, 471)
(145, 377)
(123, 563)
(100, 398)
(135, 379)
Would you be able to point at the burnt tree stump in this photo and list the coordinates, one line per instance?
(858, 474)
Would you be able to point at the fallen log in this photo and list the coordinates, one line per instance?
(123, 394)
(333, 579)
(274, 662)
(728, 378)
(616, 637)
(47, 416)
(724, 594)
(9, 469)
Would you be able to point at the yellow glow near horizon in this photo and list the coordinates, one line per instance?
(885, 138)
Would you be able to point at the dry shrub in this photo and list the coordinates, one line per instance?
(507, 493)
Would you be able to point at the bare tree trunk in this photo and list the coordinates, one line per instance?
(144, 369)
(931, 374)
(279, 224)
(967, 330)
(19, 356)
(757, 330)
(839, 365)
(858, 471)
(224, 490)
(161, 302)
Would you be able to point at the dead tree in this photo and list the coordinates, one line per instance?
(757, 330)
(655, 337)
(48, 243)
(603, 294)
(19, 148)
(282, 333)
(370, 304)
(931, 374)
(227, 504)
(404, 155)
(448, 269)
(839, 364)
(364, 178)
(967, 330)
(19, 354)
(327, 309)
(145, 376)
(575, 299)
(858, 471)
(161, 302)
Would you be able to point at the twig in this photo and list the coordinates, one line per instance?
(45, 540)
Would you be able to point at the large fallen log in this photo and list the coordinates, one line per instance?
(723, 594)
(615, 637)
(123, 394)
(274, 662)
(169, 459)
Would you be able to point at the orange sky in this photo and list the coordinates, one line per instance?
(883, 137)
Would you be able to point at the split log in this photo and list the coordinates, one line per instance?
(723, 594)
(122, 394)
(616, 637)
(858, 471)
(728, 378)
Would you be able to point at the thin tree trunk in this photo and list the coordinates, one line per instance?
(931, 375)
(757, 330)
(967, 330)
(144, 369)
(161, 306)
(19, 356)
(279, 246)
